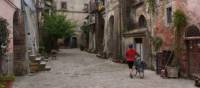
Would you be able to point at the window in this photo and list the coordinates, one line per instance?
(169, 15)
(86, 6)
(63, 5)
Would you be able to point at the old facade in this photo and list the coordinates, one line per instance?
(8, 9)
(133, 22)
(112, 28)
(23, 35)
(137, 30)
(189, 62)
(75, 11)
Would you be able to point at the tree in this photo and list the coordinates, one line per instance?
(55, 27)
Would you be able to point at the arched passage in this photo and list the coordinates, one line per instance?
(192, 36)
(19, 44)
(101, 34)
(111, 36)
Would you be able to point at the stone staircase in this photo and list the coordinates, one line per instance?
(38, 63)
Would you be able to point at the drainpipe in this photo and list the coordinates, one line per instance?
(120, 30)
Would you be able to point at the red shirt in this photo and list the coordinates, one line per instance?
(130, 55)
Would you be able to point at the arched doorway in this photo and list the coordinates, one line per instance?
(19, 44)
(142, 22)
(192, 36)
(140, 40)
(74, 42)
(111, 40)
(101, 34)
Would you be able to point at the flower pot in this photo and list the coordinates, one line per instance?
(172, 72)
(9, 84)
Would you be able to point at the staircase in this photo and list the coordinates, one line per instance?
(38, 63)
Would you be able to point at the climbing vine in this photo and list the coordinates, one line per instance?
(180, 21)
(157, 43)
(3, 36)
(152, 5)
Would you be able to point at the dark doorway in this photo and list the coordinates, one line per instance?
(193, 50)
(74, 42)
(111, 41)
(142, 22)
(101, 34)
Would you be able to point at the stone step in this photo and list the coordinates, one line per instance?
(47, 68)
(43, 63)
(34, 67)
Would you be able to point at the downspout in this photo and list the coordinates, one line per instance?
(120, 30)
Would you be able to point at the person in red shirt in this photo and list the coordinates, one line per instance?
(131, 58)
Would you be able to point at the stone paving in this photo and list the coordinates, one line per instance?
(76, 69)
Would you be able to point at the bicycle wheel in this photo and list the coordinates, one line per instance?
(141, 73)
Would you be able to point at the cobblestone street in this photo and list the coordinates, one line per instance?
(76, 69)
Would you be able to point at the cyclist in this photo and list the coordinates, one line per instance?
(130, 57)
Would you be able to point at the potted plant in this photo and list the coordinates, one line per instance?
(180, 22)
(7, 81)
(157, 43)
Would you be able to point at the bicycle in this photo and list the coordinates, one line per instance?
(140, 66)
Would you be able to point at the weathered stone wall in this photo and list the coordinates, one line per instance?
(112, 36)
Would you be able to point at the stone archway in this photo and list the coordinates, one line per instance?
(19, 44)
(101, 34)
(192, 36)
(141, 44)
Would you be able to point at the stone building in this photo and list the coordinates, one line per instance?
(23, 35)
(133, 22)
(112, 28)
(137, 31)
(75, 11)
(189, 60)
(96, 24)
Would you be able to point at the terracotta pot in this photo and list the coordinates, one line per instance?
(9, 84)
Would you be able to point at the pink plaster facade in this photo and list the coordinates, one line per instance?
(6, 12)
(166, 31)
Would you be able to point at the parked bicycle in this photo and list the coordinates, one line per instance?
(140, 65)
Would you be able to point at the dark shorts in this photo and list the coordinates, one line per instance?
(130, 64)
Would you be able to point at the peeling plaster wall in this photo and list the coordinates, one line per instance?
(192, 7)
(112, 9)
(164, 29)
(7, 12)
